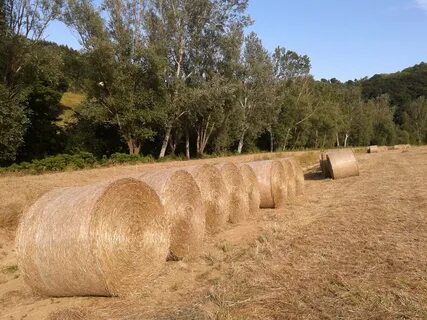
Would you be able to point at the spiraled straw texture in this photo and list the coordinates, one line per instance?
(105, 239)
(299, 175)
(272, 183)
(214, 195)
(184, 208)
(342, 164)
(290, 179)
(238, 201)
(252, 188)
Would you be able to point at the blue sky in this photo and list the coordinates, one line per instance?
(344, 39)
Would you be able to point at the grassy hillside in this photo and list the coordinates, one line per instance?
(402, 87)
(70, 102)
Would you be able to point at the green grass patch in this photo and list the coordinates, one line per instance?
(71, 100)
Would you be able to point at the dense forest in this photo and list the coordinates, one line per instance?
(181, 77)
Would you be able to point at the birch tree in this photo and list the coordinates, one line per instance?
(256, 92)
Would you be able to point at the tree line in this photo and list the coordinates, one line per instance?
(167, 77)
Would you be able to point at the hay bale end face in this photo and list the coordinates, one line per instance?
(214, 195)
(106, 239)
(181, 198)
(290, 179)
(342, 164)
(238, 201)
(252, 187)
(272, 183)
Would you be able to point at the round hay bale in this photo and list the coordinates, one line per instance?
(383, 149)
(342, 164)
(373, 149)
(299, 175)
(252, 188)
(214, 195)
(105, 239)
(238, 198)
(181, 198)
(402, 147)
(272, 183)
(290, 179)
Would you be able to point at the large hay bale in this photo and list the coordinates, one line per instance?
(214, 195)
(105, 239)
(342, 164)
(272, 183)
(290, 179)
(299, 175)
(181, 198)
(373, 149)
(252, 187)
(401, 147)
(238, 198)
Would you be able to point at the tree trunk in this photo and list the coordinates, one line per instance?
(271, 141)
(204, 133)
(316, 143)
(338, 141)
(241, 141)
(346, 140)
(297, 140)
(172, 145)
(285, 145)
(165, 141)
(133, 146)
(324, 141)
(187, 144)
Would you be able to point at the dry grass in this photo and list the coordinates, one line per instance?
(349, 249)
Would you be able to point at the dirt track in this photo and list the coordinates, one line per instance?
(350, 249)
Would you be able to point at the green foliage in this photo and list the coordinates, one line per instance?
(78, 161)
(59, 162)
(43, 136)
(13, 122)
(179, 77)
(415, 120)
(122, 158)
(402, 87)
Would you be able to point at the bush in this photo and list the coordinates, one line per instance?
(121, 158)
(81, 160)
(56, 163)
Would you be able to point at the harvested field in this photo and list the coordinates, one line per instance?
(348, 249)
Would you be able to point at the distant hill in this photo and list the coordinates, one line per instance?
(402, 87)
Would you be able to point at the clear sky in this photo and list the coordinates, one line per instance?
(345, 39)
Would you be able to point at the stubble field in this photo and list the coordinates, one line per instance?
(347, 249)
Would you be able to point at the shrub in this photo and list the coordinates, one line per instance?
(121, 158)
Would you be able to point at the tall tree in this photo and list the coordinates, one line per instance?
(289, 65)
(415, 120)
(24, 19)
(13, 122)
(178, 27)
(256, 92)
(124, 87)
